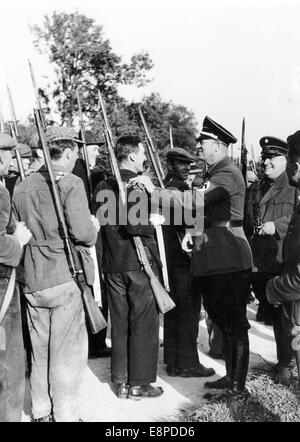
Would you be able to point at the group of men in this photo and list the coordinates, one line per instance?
(241, 245)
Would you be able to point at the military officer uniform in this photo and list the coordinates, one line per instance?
(181, 323)
(221, 256)
(270, 200)
(222, 259)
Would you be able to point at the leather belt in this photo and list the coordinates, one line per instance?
(224, 224)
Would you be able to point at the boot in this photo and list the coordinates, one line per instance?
(225, 381)
(239, 363)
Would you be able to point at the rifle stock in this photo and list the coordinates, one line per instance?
(95, 319)
(163, 300)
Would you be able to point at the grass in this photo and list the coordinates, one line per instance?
(268, 401)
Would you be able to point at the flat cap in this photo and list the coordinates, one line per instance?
(91, 138)
(59, 133)
(214, 130)
(180, 154)
(273, 147)
(6, 142)
(24, 149)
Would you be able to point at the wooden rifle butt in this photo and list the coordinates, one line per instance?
(94, 317)
(163, 300)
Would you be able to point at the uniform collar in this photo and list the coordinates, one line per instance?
(218, 165)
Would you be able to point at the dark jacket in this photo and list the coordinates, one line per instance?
(286, 288)
(119, 254)
(45, 261)
(175, 256)
(277, 205)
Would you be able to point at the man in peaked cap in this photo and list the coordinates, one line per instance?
(12, 382)
(270, 204)
(222, 258)
(181, 323)
(53, 300)
(284, 289)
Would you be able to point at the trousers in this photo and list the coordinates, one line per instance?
(134, 328)
(181, 323)
(12, 366)
(59, 344)
(282, 323)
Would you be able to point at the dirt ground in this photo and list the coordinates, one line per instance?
(99, 403)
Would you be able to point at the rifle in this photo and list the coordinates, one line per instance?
(171, 137)
(253, 160)
(244, 154)
(2, 129)
(164, 302)
(231, 152)
(15, 134)
(97, 283)
(94, 317)
(85, 154)
(151, 144)
(37, 97)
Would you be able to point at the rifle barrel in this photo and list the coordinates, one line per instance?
(37, 96)
(151, 144)
(85, 154)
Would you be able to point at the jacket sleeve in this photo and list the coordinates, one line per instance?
(77, 213)
(284, 288)
(10, 248)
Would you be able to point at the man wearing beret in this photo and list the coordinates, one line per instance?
(284, 289)
(12, 370)
(14, 173)
(55, 312)
(269, 207)
(181, 323)
(221, 256)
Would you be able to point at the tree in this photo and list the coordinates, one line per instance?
(83, 59)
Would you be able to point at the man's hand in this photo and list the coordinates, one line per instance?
(22, 233)
(145, 181)
(267, 228)
(95, 222)
(187, 243)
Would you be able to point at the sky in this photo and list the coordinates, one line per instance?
(227, 59)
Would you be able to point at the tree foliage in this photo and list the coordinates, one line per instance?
(83, 59)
